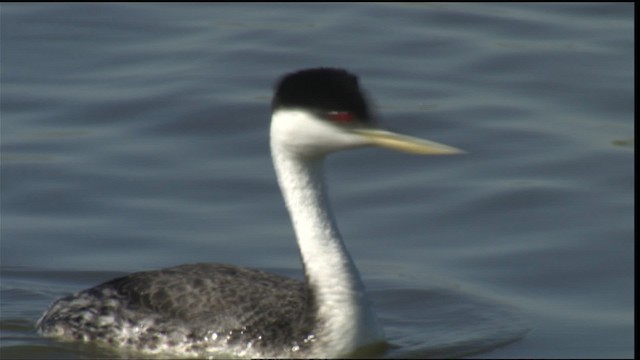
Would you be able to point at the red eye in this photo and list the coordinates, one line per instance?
(341, 116)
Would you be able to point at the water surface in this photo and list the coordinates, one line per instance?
(135, 137)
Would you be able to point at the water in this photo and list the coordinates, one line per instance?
(134, 137)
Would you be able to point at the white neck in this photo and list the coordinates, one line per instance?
(345, 317)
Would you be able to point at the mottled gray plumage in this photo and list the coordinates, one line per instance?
(197, 309)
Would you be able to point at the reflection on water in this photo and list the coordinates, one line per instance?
(624, 142)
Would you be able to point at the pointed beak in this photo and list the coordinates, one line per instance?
(410, 144)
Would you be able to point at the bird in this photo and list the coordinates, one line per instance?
(219, 310)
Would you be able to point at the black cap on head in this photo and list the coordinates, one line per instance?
(324, 90)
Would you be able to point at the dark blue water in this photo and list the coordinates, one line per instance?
(135, 137)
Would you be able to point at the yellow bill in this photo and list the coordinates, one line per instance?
(406, 143)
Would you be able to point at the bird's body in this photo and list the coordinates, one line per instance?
(193, 310)
(215, 309)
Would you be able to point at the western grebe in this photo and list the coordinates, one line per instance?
(225, 310)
